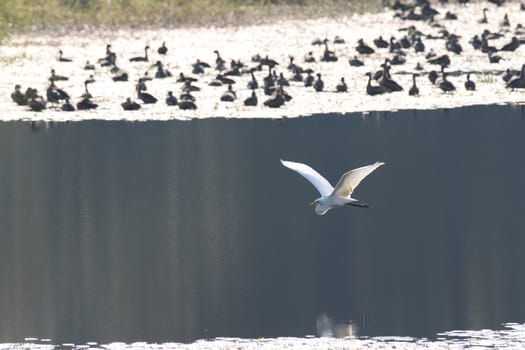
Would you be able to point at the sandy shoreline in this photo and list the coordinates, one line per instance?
(512, 336)
(27, 60)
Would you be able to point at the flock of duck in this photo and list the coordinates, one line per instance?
(276, 77)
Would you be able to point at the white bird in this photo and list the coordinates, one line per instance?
(333, 197)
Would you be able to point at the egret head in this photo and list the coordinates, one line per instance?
(314, 203)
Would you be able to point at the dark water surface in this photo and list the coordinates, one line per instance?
(174, 231)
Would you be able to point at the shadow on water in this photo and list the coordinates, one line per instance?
(177, 231)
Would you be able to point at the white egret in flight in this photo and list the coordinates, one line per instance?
(333, 197)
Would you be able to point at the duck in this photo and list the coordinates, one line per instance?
(398, 60)
(363, 48)
(198, 67)
(493, 58)
(418, 45)
(297, 75)
(430, 54)
(269, 81)
(509, 74)
(356, 62)
(281, 80)
(328, 56)
(291, 65)
(319, 84)
(86, 93)
(229, 95)
(187, 105)
(433, 76)
(224, 80)
(252, 100)
(189, 87)
(183, 79)
(374, 90)
(114, 68)
(341, 87)
(318, 42)
(187, 96)
(130, 105)
(394, 45)
(519, 30)
(146, 76)
(442, 60)
(215, 82)
(453, 45)
(219, 62)
(485, 47)
(108, 61)
(61, 58)
(309, 57)
(380, 42)
(37, 103)
(497, 2)
(428, 11)
(67, 106)
(170, 99)
(445, 85)
(483, 19)
(86, 103)
(276, 100)
(513, 45)
(54, 94)
(387, 81)
(31, 93)
(161, 72)
(18, 96)
(234, 71)
(287, 96)
(476, 42)
(108, 54)
(519, 81)
(469, 84)
(120, 76)
(404, 42)
(56, 77)
(413, 16)
(413, 91)
(267, 61)
(89, 66)
(309, 80)
(162, 50)
(144, 96)
(252, 84)
(450, 16)
(338, 40)
(141, 58)
(505, 22)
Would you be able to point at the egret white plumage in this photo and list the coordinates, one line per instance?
(333, 197)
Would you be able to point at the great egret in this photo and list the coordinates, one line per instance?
(333, 197)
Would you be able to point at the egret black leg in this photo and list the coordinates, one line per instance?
(359, 205)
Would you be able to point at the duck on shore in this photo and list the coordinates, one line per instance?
(141, 58)
(130, 105)
(414, 90)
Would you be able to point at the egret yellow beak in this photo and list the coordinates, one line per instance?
(313, 204)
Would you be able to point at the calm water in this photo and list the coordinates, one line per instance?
(174, 231)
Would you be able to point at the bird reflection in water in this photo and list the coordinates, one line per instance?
(327, 327)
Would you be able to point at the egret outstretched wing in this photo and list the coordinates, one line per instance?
(349, 181)
(321, 184)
